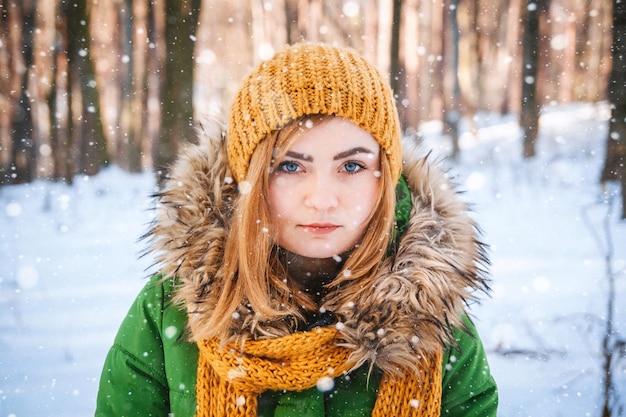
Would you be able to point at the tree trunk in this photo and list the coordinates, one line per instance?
(177, 92)
(134, 46)
(58, 103)
(291, 20)
(395, 68)
(615, 161)
(55, 131)
(86, 131)
(529, 115)
(451, 90)
(22, 167)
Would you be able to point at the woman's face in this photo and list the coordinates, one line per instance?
(322, 192)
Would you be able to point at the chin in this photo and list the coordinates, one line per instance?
(319, 253)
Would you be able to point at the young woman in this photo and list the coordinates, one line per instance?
(307, 266)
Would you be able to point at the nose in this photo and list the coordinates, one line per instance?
(321, 193)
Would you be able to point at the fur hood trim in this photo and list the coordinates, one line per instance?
(421, 291)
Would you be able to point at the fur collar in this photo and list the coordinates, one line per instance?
(421, 292)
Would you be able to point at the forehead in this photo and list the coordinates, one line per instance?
(331, 132)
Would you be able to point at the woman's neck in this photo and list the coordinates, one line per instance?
(311, 274)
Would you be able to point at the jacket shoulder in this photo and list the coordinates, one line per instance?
(468, 387)
(150, 369)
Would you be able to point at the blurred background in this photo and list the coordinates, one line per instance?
(89, 83)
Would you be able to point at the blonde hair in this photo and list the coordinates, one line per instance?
(253, 273)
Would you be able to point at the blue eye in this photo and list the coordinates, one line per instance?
(352, 167)
(288, 167)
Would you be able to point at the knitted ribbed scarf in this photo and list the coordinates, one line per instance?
(230, 379)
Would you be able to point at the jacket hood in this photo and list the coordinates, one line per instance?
(420, 293)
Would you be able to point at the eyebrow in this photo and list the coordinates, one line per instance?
(340, 155)
(301, 156)
(353, 151)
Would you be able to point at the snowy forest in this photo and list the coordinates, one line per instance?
(524, 101)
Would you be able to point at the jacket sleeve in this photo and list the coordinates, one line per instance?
(469, 389)
(133, 380)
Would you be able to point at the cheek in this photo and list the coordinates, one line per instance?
(358, 216)
(361, 205)
(279, 198)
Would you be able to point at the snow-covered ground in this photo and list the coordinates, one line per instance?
(69, 270)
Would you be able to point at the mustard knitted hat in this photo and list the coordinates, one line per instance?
(306, 79)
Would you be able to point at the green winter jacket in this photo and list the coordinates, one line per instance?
(418, 300)
(151, 371)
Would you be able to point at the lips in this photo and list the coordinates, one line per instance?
(320, 228)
